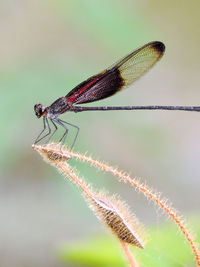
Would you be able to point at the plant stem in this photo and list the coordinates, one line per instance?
(129, 255)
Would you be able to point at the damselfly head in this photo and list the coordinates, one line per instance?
(39, 110)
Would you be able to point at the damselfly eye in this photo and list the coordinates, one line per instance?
(39, 110)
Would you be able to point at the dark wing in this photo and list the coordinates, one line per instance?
(118, 76)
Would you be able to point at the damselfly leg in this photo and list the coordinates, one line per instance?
(45, 122)
(62, 140)
(56, 128)
(62, 123)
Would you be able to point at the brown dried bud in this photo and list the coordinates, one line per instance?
(117, 217)
(51, 152)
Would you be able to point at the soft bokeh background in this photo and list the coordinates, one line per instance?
(47, 48)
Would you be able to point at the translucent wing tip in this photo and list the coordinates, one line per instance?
(158, 47)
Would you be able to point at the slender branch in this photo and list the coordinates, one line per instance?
(65, 168)
(58, 159)
(129, 255)
(148, 192)
(154, 107)
(154, 196)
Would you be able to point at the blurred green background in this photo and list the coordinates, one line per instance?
(47, 48)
